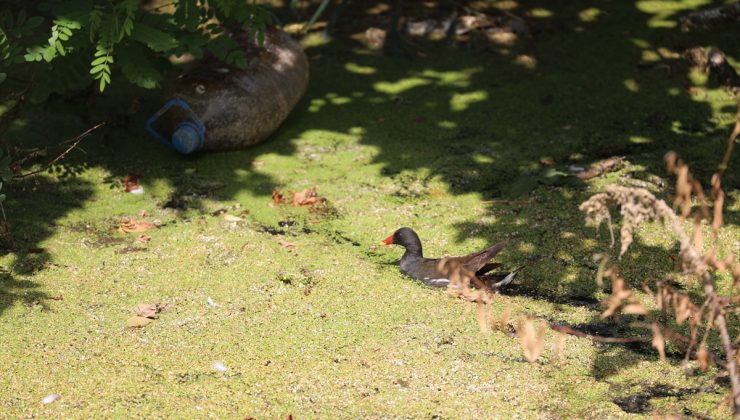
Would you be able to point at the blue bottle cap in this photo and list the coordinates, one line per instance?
(187, 138)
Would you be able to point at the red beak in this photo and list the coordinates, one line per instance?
(388, 240)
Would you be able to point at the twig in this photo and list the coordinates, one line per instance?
(730, 143)
(618, 340)
(75, 140)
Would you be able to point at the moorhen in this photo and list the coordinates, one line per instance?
(413, 263)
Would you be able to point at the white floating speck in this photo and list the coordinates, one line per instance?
(211, 303)
(50, 398)
(576, 168)
(219, 366)
(197, 407)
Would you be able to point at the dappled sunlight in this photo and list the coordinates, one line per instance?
(400, 86)
(666, 11)
(640, 140)
(458, 78)
(591, 14)
(540, 12)
(632, 85)
(435, 140)
(462, 101)
(358, 69)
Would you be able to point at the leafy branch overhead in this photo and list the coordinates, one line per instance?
(54, 43)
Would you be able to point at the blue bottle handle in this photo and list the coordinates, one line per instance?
(200, 127)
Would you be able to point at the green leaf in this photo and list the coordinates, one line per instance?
(34, 22)
(99, 68)
(99, 60)
(523, 185)
(49, 54)
(60, 48)
(155, 39)
(21, 19)
(137, 65)
(35, 53)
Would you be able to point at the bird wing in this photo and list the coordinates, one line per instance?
(475, 262)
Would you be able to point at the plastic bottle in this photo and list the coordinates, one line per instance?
(214, 107)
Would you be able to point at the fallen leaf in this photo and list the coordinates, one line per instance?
(547, 161)
(131, 184)
(695, 91)
(150, 310)
(134, 225)
(144, 238)
(146, 310)
(286, 244)
(277, 197)
(212, 303)
(375, 38)
(256, 164)
(230, 218)
(601, 167)
(218, 212)
(143, 214)
(307, 198)
(58, 297)
(138, 321)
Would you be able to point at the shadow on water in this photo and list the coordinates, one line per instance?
(476, 117)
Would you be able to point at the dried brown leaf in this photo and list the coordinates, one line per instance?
(143, 238)
(307, 198)
(130, 183)
(286, 244)
(532, 339)
(138, 321)
(601, 167)
(230, 218)
(277, 197)
(134, 225)
(719, 202)
(634, 309)
(683, 306)
(150, 310)
(503, 322)
(702, 356)
(658, 341)
(697, 239)
(482, 316)
(560, 341)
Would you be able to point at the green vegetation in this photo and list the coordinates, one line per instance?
(61, 46)
(329, 328)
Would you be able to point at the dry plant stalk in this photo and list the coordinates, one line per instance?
(638, 206)
(531, 338)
